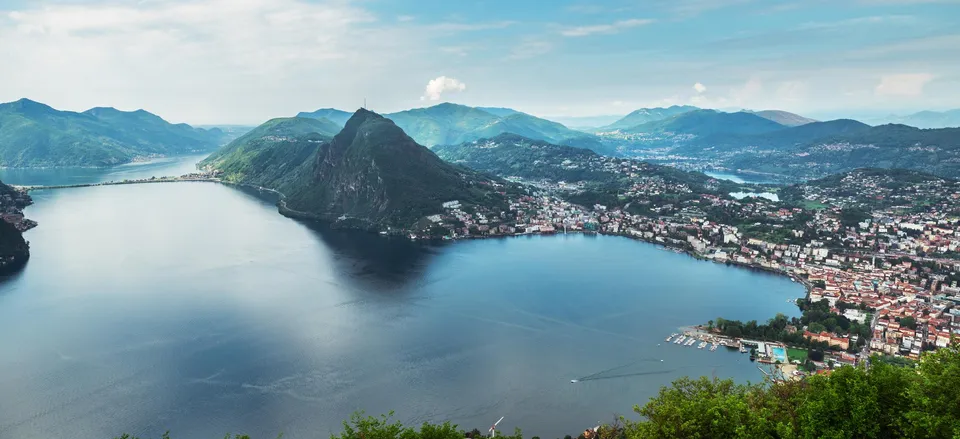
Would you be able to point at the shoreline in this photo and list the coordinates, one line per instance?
(286, 211)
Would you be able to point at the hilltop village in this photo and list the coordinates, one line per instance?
(879, 247)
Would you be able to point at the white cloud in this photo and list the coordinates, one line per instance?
(436, 87)
(700, 88)
(905, 84)
(612, 28)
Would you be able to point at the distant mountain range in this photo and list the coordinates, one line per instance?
(33, 134)
(781, 137)
(706, 123)
(783, 117)
(935, 151)
(338, 117)
(923, 119)
(646, 115)
(370, 174)
(585, 123)
(451, 124)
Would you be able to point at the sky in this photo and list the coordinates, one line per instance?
(245, 61)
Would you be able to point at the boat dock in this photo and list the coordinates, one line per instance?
(763, 352)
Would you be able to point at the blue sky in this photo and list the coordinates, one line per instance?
(243, 61)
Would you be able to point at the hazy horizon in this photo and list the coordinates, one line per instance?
(227, 62)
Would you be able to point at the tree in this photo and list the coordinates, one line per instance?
(936, 396)
(816, 327)
(698, 408)
(908, 322)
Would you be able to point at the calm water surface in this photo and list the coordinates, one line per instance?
(739, 178)
(195, 307)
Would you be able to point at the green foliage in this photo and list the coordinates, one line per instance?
(883, 401)
(908, 322)
(702, 408)
(271, 154)
(33, 134)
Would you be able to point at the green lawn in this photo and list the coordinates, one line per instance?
(813, 205)
(797, 354)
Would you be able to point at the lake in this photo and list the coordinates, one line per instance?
(197, 308)
(740, 178)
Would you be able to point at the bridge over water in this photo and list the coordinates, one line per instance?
(116, 183)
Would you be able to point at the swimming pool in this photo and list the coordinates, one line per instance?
(779, 354)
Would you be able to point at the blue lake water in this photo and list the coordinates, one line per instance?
(197, 308)
(739, 178)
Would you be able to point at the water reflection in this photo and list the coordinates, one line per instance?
(373, 262)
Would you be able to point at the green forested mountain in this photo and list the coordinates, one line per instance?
(451, 124)
(334, 115)
(784, 118)
(646, 115)
(498, 111)
(34, 134)
(370, 174)
(267, 155)
(600, 179)
(708, 122)
(514, 155)
(887, 146)
(375, 174)
(781, 139)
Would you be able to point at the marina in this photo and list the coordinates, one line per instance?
(762, 352)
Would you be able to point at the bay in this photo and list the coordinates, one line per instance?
(197, 308)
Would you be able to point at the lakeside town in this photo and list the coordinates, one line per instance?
(878, 250)
(887, 273)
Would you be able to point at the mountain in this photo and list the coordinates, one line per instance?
(587, 123)
(512, 155)
(451, 124)
(781, 139)
(783, 118)
(646, 115)
(228, 132)
(597, 177)
(708, 122)
(34, 134)
(368, 175)
(338, 117)
(498, 111)
(936, 151)
(924, 119)
(269, 153)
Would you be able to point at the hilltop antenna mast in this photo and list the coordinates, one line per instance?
(364, 103)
